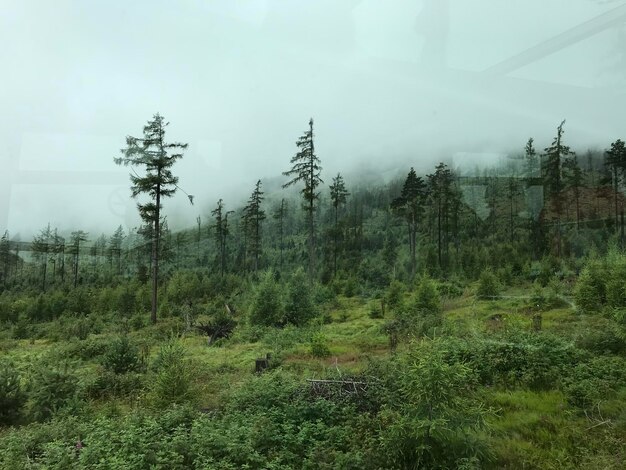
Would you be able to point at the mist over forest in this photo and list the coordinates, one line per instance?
(389, 86)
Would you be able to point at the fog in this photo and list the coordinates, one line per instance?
(389, 84)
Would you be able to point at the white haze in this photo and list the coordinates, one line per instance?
(389, 84)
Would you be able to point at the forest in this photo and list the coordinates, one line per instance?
(455, 319)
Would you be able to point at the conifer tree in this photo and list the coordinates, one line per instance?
(410, 206)
(338, 197)
(279, 215)
(531, 160)
(253, 216)
(5, 257)
(157, 157)
(554, 183)
(115, 248)
(575, 180)
(616, 163)
(76, 239)
(41, 249)
(306, 169)
(221, 232)
(442, 196)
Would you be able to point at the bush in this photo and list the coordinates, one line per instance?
(435, 423)
(122, 356)
(427, 299)
(589, 293)
(172, 383)
(268, 306)
(51, 390)
(87, 349)
(595, 380)
(12, 396)
(488, 285)
(319, 346)
(394, 296)
(109, 384)
(608, 340)
(299, 307)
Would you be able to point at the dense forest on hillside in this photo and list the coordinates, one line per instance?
(456, 319)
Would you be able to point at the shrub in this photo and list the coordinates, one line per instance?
(319, 345)
(184, 287)
(12, 396)
(51, 390)
(589, 293)
(595, 380)
(268, 305)
(608, 340)
(427, 299)
(172, 382)
(488, 285)
(299, 307)
(394, 296)
(109, 384)
(122, 356)
(436, 423)
(87, 349)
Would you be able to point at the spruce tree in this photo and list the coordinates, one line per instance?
(574, 180)
(5, 257)
(115, 248)
(442, 192)
(531, 160)
(220, 233)
(306, 169)
(157, 157)
(338, 197)
(616, 163)
(410, 206)
(253, 216)
(279, 215)
(554, 182)
(76, 239)
(41, 249)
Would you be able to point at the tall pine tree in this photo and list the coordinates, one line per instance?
(253, 216)
(410, 206)
(157, 157)
(338, 197)
(306, 168)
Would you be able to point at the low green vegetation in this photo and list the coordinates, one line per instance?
(444, 379)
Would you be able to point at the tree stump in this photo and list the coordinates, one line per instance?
(262, 363)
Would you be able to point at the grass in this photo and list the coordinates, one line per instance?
(529, 429)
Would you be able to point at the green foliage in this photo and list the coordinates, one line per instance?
(172, 382)
(108, 384)
(436, 423)
(319, 345)
(427, 299)
(184, 287)
(394, 297)
(88, 349)
(595, 380)
(488, 285)
(590, 290)
(122, 356)
(299, 306)
(12, 395)
(50, 390)
(268, 306)
(611, 339)
(601, 283)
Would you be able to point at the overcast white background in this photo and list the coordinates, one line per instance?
(389, 84)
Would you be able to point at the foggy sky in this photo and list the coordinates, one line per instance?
(389, 84)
